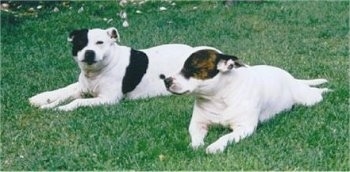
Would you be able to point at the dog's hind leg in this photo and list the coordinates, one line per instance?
(307, 95)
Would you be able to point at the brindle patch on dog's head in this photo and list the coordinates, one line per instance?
(203, 64)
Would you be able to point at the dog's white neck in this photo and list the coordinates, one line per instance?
(217, 85)
(91, 74)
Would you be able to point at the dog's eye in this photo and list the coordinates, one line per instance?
(99, 42)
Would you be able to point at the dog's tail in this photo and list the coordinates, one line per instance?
(313, 82)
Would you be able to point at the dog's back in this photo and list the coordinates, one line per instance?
(164, 59)
(279, 91)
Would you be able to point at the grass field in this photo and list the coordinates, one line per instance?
(308, 39)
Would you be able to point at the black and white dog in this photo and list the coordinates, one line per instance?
(236, 95)
(110, 72)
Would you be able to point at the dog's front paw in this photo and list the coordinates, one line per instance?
(66, 108)
(196, 145)
(216, 147)
(50, 106)
(40, 99)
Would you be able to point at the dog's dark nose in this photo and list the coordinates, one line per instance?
(168, 82)
(89, 57)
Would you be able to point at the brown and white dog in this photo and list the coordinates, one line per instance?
(236, 95)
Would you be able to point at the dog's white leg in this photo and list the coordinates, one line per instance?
(307, 95)
(51, 99)
(51, 105)
(198, 131)
(87, 102)
(244, 124)
(198, 128)
(236, 135)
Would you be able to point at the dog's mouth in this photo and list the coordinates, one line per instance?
(89, 61)
(179, 93)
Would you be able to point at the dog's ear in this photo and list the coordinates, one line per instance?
(77, 33)
(113, 33)
(71, 35)
(228, 62)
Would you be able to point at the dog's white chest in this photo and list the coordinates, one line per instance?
(90, 86)
(213, 109)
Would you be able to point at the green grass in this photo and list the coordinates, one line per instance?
(309, 39)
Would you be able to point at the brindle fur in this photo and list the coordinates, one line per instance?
(203, 64)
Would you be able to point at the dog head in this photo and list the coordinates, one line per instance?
(92, 47)
(201, 72)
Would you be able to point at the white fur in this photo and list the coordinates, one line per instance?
(241, 98)
(103, 79)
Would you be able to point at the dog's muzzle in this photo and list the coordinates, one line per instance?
(89, 57)
(167, 81)
(169, 84)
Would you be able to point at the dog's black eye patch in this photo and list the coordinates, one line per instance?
(99, 42)
(79, 41)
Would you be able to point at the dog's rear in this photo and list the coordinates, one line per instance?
(306, 94)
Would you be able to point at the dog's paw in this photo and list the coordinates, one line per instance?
(71, 106)
(216, 147)
(49, 106)
(40, 99)
(65, 108)
(196, 145)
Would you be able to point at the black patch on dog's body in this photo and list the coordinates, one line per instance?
(135, 71)
(79, 40)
